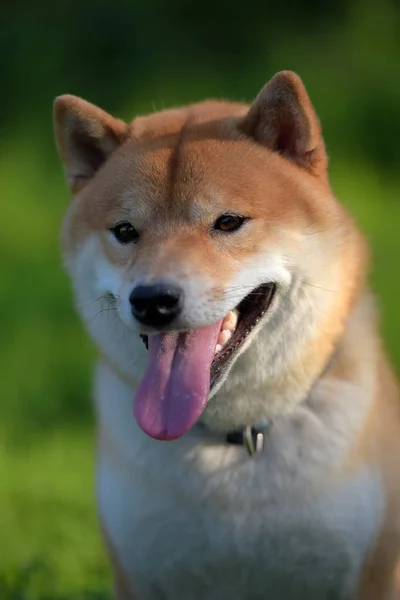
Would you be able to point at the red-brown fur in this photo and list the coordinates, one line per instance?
(173, 173)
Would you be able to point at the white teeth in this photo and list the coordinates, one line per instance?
(224, 336)
(227, 328)
(230, 321)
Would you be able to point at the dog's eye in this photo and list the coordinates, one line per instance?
(229, 223)
(125, 233)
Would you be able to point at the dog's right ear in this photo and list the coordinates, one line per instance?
(85, 137)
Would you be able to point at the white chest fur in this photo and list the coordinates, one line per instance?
(196, 519)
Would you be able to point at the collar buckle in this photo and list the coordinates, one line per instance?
(251, 437)
(253, 440)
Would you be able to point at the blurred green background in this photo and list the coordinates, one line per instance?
(133, 57)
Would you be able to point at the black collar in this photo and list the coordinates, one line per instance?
(252, 438)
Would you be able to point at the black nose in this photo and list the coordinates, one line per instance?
(156, 305)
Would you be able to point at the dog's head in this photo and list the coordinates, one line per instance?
(209, 231)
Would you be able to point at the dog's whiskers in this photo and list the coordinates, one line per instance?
(107, 310)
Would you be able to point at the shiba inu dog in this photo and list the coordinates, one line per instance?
(253, 450)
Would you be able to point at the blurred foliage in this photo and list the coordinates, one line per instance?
(132, 57)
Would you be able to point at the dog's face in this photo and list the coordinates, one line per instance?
(192, 229)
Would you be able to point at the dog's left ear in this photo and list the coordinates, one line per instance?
(85, 136)
(283, 119)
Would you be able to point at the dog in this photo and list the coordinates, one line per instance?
(248, 418)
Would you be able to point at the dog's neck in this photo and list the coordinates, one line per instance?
(277, 372)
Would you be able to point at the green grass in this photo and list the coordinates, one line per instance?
(50, 545)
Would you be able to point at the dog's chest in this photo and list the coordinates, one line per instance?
(195, 527)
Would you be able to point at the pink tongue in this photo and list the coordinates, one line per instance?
(174, 390)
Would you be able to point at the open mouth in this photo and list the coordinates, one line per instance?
(238, 324)
(184, 365)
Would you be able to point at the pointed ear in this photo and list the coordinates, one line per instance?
(283, 118)
(85, 137)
